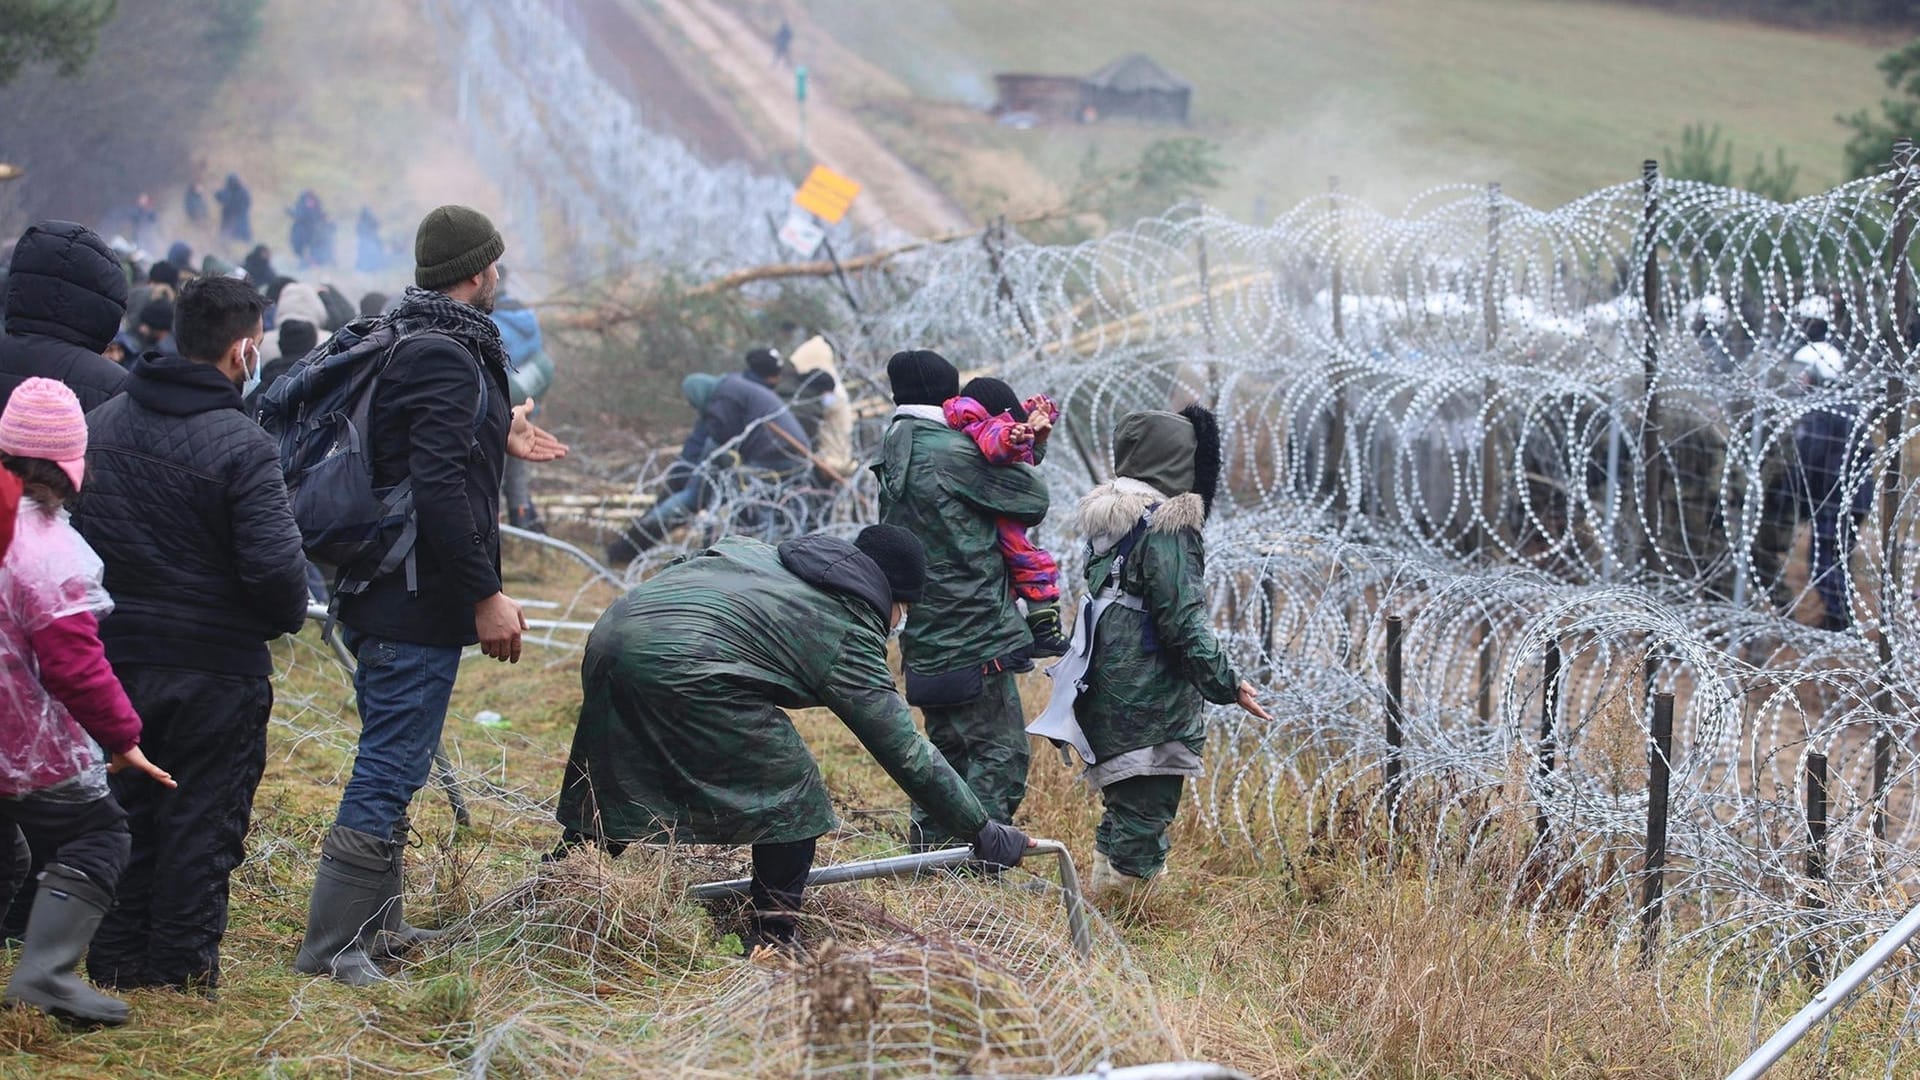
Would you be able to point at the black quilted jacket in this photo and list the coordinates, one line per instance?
(185, 504)
(65, 297)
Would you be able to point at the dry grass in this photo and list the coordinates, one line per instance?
(1321, 959)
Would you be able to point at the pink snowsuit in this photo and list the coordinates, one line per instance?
(1036, 577)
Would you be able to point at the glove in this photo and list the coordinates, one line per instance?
(1000, 845)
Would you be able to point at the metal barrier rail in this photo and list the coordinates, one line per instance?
(1170, 1070)
(1829, 998)
(911, 865)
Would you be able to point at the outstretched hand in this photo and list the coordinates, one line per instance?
(1250, 701)
(530, 442)
(136, 760)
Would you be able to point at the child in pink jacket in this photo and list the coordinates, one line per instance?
(1007, 431)
(64, 720)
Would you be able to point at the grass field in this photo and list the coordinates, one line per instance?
(1550, 98)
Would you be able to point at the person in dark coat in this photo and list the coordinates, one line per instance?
(187, 508)
(259, 266)
(66, 296)
(309, 221)
(236, 210)
(195, 203)
(965, 640)
(370, 256)
(683, 735)
(440, 419)
(739, 416)
(1835, 501)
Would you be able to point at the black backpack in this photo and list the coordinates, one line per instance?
(318, 413)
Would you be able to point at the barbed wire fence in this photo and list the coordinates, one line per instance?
(1565, 459)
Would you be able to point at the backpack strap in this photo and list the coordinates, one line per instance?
(1149, 640)
(404, 553)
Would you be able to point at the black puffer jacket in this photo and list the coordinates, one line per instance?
(426, 423)
(185, 504)
(66, 295)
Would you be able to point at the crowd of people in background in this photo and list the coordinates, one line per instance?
(312, 231)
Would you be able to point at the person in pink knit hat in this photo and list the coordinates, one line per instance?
(65, 721)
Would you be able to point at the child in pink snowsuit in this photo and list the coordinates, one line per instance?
(65, 722)
(1010, 431)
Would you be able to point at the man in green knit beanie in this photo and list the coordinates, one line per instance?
(441, 420)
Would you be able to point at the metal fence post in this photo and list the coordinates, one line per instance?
(1650, 364)
(1549, 708)
(1906, 185)
(1659, 785)
(1395, 685)
(1816, 848)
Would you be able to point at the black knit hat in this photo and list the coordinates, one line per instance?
(995, 396)
(922, 377)
(764, 363)
(164, 273)
(454, 243)
(157, 314)
(297, 338)
(900, 556)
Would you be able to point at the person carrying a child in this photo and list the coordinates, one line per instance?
(1009, 431)
(60, 707)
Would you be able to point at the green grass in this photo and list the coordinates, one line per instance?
(1551, 99)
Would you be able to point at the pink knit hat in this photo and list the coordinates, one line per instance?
(43, 420)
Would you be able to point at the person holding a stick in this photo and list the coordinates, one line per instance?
(683, 737)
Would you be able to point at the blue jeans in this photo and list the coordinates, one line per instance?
(403, 691)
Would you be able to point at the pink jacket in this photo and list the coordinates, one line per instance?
(988, 432)
(58, 695)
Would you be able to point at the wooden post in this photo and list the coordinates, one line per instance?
(1906, 187)
(1549, 709)
(1650, 364)
(1395, 714)
(1816, 847)
(1659, 788)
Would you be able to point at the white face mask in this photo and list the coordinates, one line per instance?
(898, 626)
(252, 374)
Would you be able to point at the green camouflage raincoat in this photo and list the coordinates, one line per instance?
(681, 731)
(1150, 669)
(935, 482)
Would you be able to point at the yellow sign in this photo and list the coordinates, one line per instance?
(826, 194)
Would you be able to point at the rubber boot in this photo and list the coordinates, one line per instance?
(1113, 889)
(1044, 621)
(66, 911)
(349, 890)
(394, 938)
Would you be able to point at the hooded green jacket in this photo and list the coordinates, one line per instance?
(935, 482)
(681, 731)
(1136, 698)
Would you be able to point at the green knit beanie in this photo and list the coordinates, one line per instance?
(454, 243)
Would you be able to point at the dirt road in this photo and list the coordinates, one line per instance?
(896, 200)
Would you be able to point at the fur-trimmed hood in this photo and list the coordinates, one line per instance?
(1109, 512)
